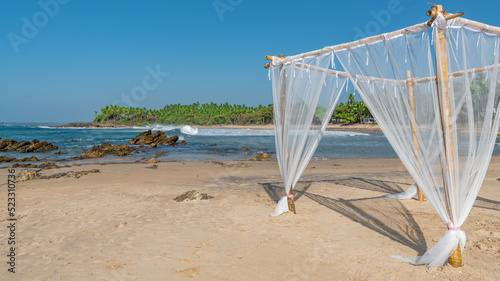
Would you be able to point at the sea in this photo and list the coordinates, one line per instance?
(199, 143)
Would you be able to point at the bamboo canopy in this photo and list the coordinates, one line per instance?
(432, 115)
(373, 39)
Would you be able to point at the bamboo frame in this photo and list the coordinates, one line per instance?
(393, 81)
(409, 83)
(353, 44)
(456, 17)
(442, 80)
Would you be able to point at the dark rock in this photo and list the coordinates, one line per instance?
(24, 146)
(264, 156)
(158, 154)
(235, 165)
(4, 159)
(153, 145)
(47, 165)
(58, 152)
(152, 167)
(152, 161)
(148, 138)
(260, 157)
(244, 148)
(107, 149)
(26, 175)
(182, 142)
(213, 144)
(16, 165)
(192, 195)
(70, 174)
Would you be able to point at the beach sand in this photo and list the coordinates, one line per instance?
(123, 224)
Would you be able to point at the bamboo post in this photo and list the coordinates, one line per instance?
(409, 83)
(455, 260)
(291, 202)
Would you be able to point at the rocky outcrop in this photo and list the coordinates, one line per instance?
(148, 138)
(152, 161)
(260, 157)
(192, 195)
(26, 146)
(107, 149)
(42, 165)
(158, 154)
(70, 174)
(234, 165)
(5, 159)
(26, 175)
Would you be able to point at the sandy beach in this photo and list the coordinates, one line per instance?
(123, 224)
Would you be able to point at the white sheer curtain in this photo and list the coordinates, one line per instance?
(445, 141)
(304, 98)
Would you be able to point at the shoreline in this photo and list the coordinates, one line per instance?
(330, 127)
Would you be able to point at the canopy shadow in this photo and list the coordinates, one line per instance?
(387, 217)
(487, 204)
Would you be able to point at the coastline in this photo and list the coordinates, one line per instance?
(330, 127)
(122, 223)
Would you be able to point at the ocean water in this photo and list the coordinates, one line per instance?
(229, 142)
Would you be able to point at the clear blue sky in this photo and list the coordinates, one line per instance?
(60, 62)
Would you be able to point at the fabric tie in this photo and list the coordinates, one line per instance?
(452, 228)
(289, 195)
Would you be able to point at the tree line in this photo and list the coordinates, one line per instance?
(215, 114)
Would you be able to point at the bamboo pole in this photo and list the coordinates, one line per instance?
(420, 194)
(291, 202)
(455, 259)
(354, 44)
(479, 26)
(393, 81)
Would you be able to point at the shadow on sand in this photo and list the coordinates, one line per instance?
(385, 216)
(487, 204)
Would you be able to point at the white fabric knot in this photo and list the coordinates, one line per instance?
(440, 22)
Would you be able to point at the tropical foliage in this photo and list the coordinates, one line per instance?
(351, 111)
(216, 114)
(194, 114)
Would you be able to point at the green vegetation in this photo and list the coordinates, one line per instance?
(216, 114)
(194, 114)
(351, 111)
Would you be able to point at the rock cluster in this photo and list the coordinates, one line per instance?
(107, 149)
(260, 157)
(26, 146)
(234, 165)
(42, 165)
(192, 195)
(152, 161)
(5, 159)
(148, 138)
(26, 175)
(158, 154)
